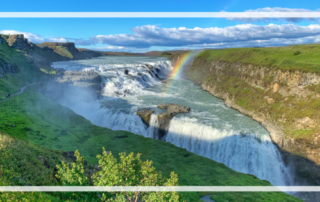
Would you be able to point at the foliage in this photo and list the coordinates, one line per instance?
(130, 171)
(74, 173)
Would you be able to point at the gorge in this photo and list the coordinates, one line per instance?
(211, 129)
(135, 94)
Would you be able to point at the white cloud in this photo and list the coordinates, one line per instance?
(151, 35)
(34, 38)
(243, 35)
(260, 43)
(277, 9)
(30, 36)
(60, 39)
(122, 49)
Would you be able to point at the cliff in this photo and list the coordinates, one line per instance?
(286, 101)
(16, 41)
(22, 62)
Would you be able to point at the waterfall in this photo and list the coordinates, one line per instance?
(152, 131)
(222, 134)
(246, 153)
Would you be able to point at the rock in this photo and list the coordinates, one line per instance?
(305, 123)
(276, 87)
(7, 125)
(145, 115)
(149, 67)
(17, 41)
(44, 161)
(70, 155)
(165, 117)
(174, 108)
(74, 81)
(6, 68)
(13, 125)
(269, 100)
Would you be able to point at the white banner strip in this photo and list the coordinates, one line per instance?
(159, 14)
(160, 188)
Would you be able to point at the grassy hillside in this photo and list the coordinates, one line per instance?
(42, 122)
(285, 102)
(284, 110)
(305, 57)
(23, 163)
(27, 71)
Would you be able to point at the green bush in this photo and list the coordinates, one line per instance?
(130, 171)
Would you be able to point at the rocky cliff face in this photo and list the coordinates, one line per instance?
(69, 50)
(7, 68)
(286, 103)
(164, 118)
(16, 41)
(68, 82)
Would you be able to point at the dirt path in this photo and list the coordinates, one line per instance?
(21, 90)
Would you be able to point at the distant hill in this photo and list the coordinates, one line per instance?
(159, 53)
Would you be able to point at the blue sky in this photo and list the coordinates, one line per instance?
(144, 34)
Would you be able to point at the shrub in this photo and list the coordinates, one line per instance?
(130, 171)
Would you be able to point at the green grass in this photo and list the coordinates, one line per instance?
(63, 51)
(284, 112)
(42, 122)
(28, 72)
(23, 164)
(308, 60)
(26, 164)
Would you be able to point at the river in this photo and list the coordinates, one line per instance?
(211, 129)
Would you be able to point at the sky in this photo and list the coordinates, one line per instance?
(147, 34)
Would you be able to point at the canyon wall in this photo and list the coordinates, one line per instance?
(286, 103)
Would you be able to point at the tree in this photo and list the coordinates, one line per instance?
(130, 171)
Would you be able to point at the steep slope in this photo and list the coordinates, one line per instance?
(42, 122)
(22, 62)
(277, 86)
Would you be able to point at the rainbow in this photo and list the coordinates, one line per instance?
(178, 66)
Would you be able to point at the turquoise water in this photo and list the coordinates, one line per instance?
(211, 129)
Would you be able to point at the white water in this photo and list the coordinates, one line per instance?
(211, 129)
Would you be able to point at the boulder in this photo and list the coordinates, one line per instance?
(276, 87)
(145, 115)
(70, 155)
(6, 68)
(165, 117)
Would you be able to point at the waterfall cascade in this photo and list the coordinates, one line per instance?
(211, 129)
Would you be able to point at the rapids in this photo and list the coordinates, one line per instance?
(211, 129)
